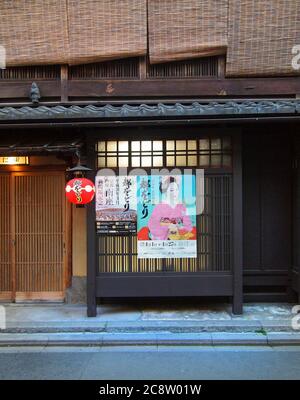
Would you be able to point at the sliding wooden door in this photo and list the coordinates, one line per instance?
(33, 240)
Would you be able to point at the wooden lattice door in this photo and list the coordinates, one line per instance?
(33, 236)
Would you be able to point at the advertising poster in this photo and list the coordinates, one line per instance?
(116, 202)
(166, 216)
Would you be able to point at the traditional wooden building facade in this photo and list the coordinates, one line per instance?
(181, 101)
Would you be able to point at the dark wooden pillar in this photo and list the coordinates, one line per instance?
(237, 307)
(295, 270)
(91, 237)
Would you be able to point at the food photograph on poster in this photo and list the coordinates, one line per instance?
(115, 204)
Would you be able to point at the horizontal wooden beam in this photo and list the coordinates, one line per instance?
(192, 88)
(180, 284)
(21, 89)
(113, 89)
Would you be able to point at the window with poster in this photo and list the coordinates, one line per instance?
(170, 220)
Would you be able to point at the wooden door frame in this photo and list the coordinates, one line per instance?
(14, 296)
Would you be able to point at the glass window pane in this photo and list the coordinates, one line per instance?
(112, 162)
(226, 160)
(192, 144)
(101, 146)
(135, 161)
(146, 161)
(170, 161)
(216, 144)
(101, 161)
(226, 143)
(204, 144)
(123, 161)
(146, 145)
(216, 160)
(180, 160)
(192, 160)
(157, 145)
(180, 144)
(157, 161)
(135, 146)
(111, 146)
(204, 160)
(170, 144)
(123, 146)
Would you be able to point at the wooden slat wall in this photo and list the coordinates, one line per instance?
(39, 233)
(5, 256)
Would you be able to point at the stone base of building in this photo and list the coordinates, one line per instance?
(76, 293)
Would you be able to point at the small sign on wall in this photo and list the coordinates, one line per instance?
(14, 160)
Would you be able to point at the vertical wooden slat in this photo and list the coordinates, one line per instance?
(5, 238)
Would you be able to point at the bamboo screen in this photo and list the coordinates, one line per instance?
(184, 29)
(261, 37)
(34, 32)
(40, 32)
(105, 30)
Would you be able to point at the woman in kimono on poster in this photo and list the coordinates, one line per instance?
(169, 219)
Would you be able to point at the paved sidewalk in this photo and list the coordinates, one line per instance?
(60, 324)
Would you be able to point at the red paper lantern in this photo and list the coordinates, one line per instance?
(80, 191)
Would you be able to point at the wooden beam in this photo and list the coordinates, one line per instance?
(16, 90)
(149, 88)
(191, 87)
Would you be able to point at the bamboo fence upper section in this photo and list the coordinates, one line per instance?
(257, 35)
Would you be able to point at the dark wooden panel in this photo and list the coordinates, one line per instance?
(14, 90)
(266, 280)
(276, 201)
(296, 216)
(198, 88)
(295, 281)
(251, 187)
(164, 285)
(95, 89)
(267, 193)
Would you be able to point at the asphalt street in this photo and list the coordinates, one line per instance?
(157, 362)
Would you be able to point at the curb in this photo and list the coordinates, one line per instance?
(150, 339)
